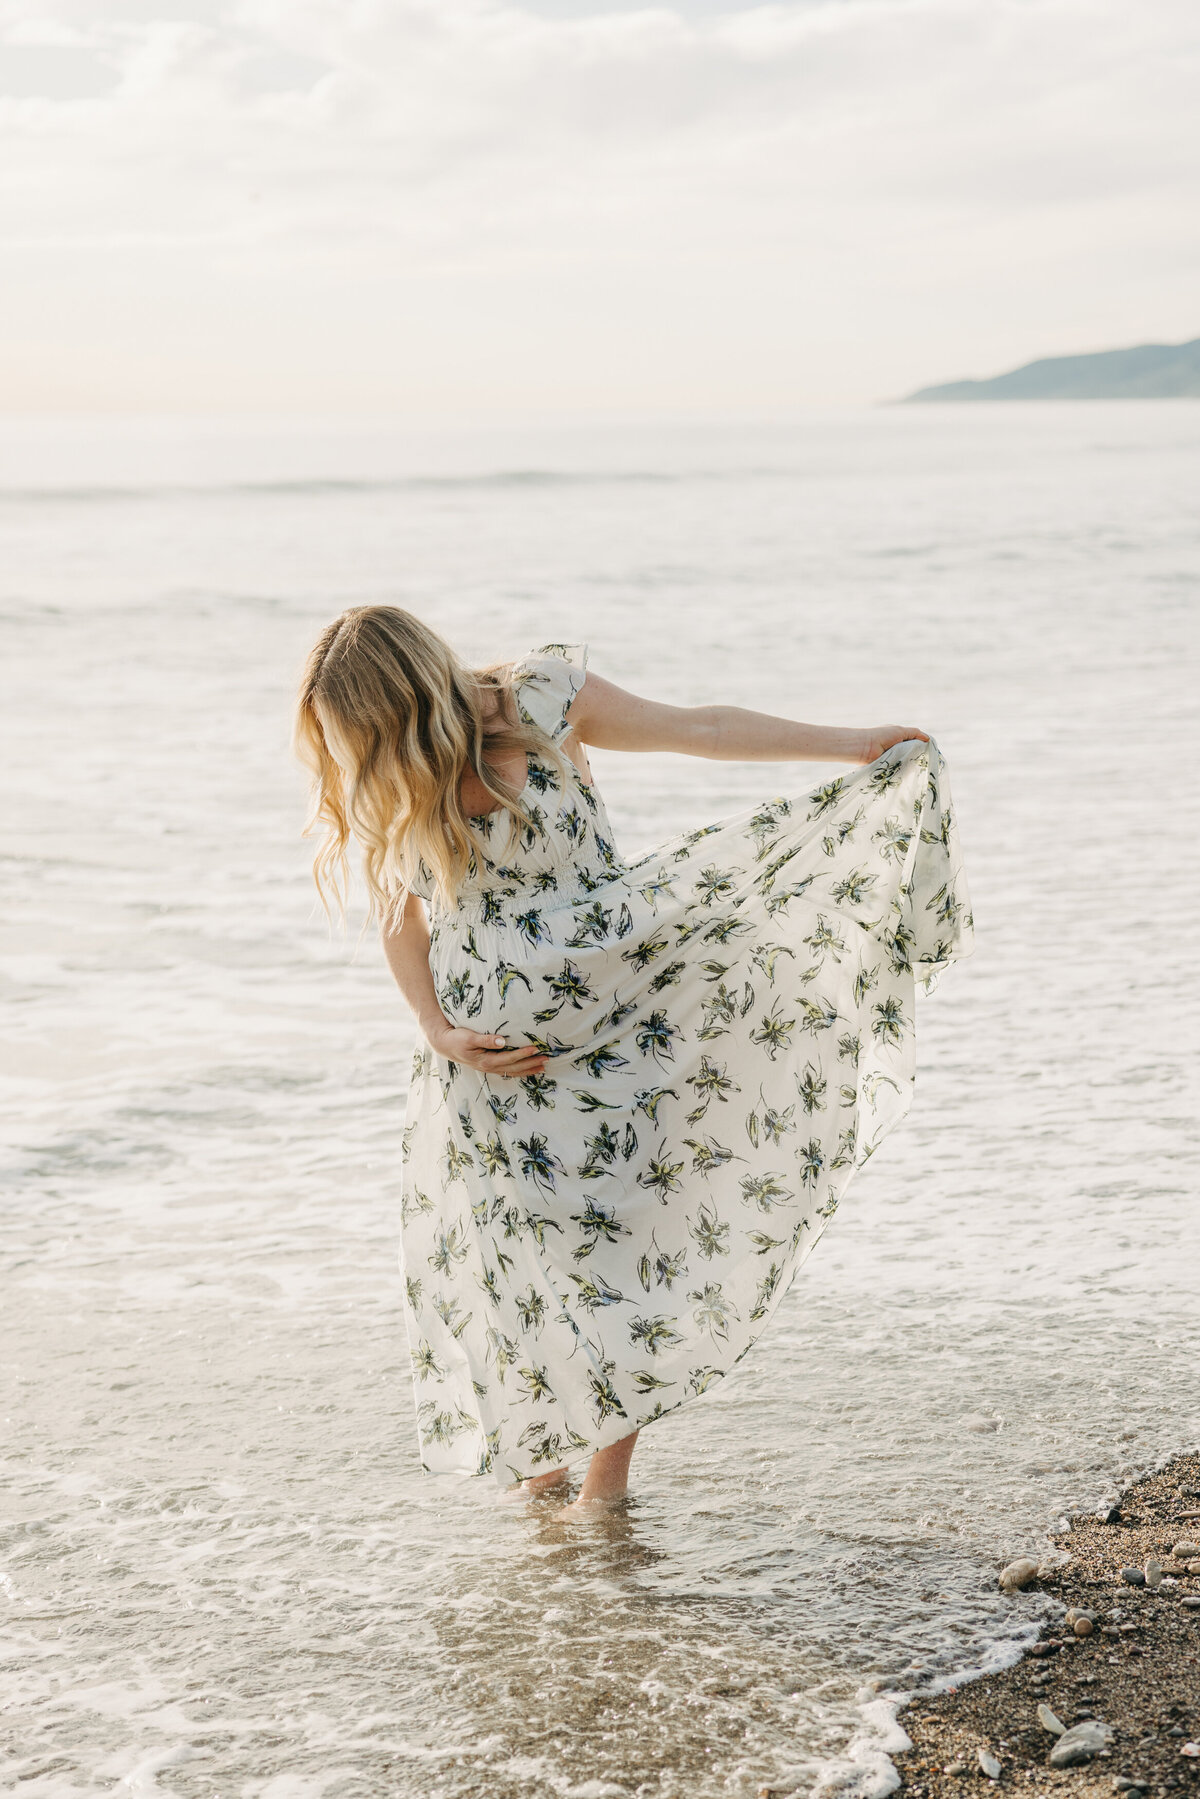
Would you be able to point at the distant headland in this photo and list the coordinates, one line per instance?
(1148, 372)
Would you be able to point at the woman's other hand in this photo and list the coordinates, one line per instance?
(478, 1049)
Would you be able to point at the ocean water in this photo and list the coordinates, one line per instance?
(223, 1573)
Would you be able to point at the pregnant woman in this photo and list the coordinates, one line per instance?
(644, 1086)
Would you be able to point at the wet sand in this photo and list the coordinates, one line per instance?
(1139, 1672)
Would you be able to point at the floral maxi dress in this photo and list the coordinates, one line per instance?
(730, 1027)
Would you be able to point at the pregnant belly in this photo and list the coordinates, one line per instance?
(565, 999)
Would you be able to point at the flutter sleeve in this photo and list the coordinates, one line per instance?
(546, 681)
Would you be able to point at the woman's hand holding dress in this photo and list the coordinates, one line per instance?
(885, 736)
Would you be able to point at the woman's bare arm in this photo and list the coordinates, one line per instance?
(609, 718)
(407, 952)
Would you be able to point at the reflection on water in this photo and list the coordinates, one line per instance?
(223, 1571)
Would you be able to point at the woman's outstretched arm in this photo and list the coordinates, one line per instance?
(609, 718)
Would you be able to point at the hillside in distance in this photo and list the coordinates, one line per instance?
(1147, 372)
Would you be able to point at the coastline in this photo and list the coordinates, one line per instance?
(1138, 1672)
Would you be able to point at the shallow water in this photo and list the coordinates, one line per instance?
(223, 1571)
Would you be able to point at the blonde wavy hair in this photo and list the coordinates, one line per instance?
(389, 721)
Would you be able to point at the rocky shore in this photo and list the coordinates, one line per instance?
(1111, 1689)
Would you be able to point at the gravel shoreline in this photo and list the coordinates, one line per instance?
(1138, 1672)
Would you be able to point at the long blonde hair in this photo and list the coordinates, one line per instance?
(409, 721)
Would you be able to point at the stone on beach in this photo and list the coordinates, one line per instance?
(1018, 1574)
(1191, 1602)
(1133, 1577)
(989, 1764)
(1048, 1721)
(1183, 1552)
(1080, 1744)
(1153, 1572)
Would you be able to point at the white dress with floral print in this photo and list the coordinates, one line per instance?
(730, 1027)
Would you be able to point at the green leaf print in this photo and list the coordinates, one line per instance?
(818, 1015)
(766, 1191)
(425, 1362)
(715, 1311)
(855, 887)
(811, 1160)
(568, 986)
(602, 1060)
(767, 1288)
(710, 1233)
(605, 1399)
(662, 1175)
(532, 927)
(531, 1310)
(645, 1382)
(595, 1293)
(539, 1162)
(655, 1036)
(711, 1082)
(658, 889)
(537, 1384)
(655, 1334)
(649, 1099)
(827, 797)
(777, 1124)
(888, 1022)
(662, 1269)
(599, 1223)
(592, 1102)
(775, 1032)
(592, 926)
(707, 1154)
(449, 1249)
(767, 955)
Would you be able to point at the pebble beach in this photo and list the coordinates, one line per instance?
(1111, 1687)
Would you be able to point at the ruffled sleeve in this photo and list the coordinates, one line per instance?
(546, 681)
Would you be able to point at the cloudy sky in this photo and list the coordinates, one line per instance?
(476, 208)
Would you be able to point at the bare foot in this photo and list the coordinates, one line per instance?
(607, 1480)
(538, 1483)
(593, 1508)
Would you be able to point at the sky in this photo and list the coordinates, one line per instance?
(471, 209)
